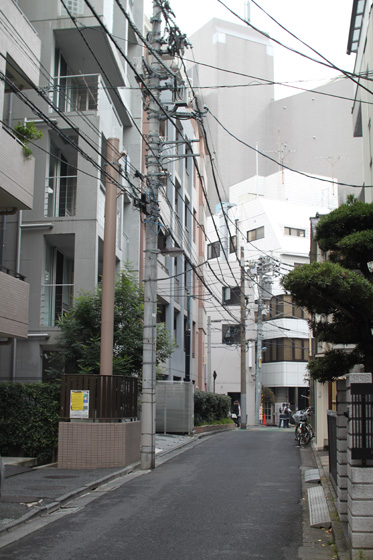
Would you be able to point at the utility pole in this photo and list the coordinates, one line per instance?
(258, 361)
(209, 354)
(108, 270)
(243, 343)
(151, 245)
(266, 267)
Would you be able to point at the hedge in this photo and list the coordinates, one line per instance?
(29, 415)
(209, 407)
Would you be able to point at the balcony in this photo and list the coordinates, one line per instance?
(76, 93)
(14, 295)
(56, 300)
(16, 173)
(60, 196)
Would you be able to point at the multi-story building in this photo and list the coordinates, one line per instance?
(360, 42)
(270, 218)
(19, 64)
(309, 131)
(88, 95)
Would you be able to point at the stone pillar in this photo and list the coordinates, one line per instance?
(360, 491)
(342, 484)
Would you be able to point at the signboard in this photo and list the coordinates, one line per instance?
(79, 404)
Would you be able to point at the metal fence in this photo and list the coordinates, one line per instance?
(111, 397)
(332, 444)
(361, 417)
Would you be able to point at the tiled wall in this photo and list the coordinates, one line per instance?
(83, 445)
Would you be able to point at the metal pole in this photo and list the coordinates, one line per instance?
(150, 269)
(108, 270)
(243, 344)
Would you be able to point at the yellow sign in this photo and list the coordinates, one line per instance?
(79, 404)
(77, 400)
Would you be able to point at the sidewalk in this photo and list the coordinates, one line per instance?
(31, 492)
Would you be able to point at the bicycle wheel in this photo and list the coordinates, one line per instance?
(297, 430)
(304, 436)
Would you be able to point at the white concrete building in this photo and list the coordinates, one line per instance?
(270, 218)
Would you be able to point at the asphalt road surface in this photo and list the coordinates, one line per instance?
(234, 495)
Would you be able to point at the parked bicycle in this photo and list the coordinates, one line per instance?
(303, 429)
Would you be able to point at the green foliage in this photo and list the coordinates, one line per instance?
(29, 416)
(338, 293)
(80, 338)
(210, 407)
(26, 132)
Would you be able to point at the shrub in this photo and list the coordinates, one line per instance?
(210, 407)
(29, 416)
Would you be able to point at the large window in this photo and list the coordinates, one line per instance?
(61, 187)
(254, 234)
(285, 350)
(282, 306)
(58, 285)
(213, 250)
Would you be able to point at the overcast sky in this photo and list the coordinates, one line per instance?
(322, 24)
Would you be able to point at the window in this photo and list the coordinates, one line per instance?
(231, 296)
(286, 350)
(283, 306)
(213, 250)
(58, 285)
(295, 232)
(231, 334)
(254, 234)
(76, 7)
(233, 243)
(61, 187)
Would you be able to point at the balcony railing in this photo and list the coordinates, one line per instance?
(76, 93)
(56, 301)
(60, 196)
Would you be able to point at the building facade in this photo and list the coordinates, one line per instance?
(78, 109)
(269, 217)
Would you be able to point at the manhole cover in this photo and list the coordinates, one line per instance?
(61, 476)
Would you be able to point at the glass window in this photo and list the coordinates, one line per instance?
(295, 232)
(254, 234)
(213, 250)
(231, 334)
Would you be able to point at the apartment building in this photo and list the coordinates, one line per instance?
(88, 95)
(19, 64)
(269, 218)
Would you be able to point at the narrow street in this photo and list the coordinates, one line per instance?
(234, 495)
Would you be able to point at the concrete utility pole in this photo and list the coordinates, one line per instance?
(266, 267)
(259, 325)
(243, 344)
(148, 411)
(108, 270)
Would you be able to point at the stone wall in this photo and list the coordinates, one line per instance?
(88, 445)
(360, 490)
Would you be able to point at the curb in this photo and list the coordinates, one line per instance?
(337, 529)
(42, 511)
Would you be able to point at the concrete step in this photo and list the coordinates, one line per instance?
(312, 475)
(318, 508)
